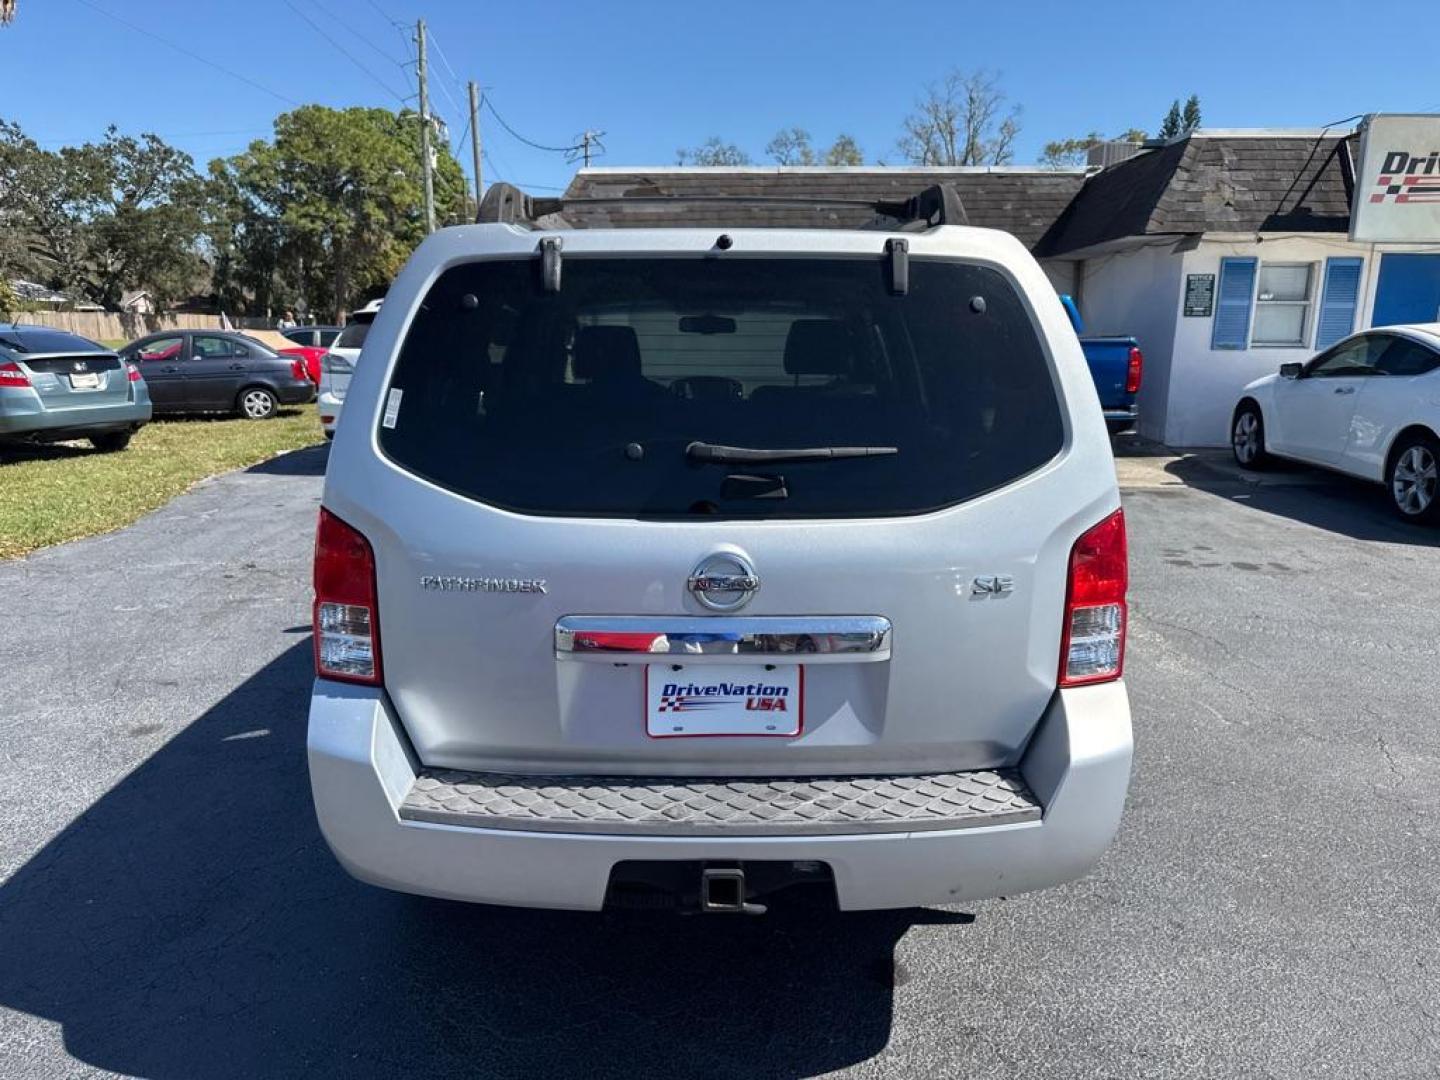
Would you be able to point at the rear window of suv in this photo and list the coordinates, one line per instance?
(584, 401)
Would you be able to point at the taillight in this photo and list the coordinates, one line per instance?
(297, 368)
(11, 375)
(347, 620)
(1132, 373)
(132, 373)
(1092, 646)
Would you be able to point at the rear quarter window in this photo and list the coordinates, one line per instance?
(583, 402)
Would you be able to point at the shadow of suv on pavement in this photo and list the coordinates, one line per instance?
(191, 923)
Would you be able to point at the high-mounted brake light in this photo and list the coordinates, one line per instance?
(132, 373)
(347, 619)
(1092, 645)
(11, 375)
(1134, 371)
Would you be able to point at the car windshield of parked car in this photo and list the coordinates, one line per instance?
(353, 336)
(584, 401)
(39, 339)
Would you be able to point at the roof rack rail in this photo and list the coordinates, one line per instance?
(938, 204)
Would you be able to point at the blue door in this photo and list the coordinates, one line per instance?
(1409, 290)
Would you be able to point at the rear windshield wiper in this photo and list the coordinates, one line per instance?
(741, 455)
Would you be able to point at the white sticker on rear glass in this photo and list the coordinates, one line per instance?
(392, 409)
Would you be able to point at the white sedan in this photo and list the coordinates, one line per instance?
(1368, 406)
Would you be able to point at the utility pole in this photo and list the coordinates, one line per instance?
(425, 163)
(475, 140)
(588, 140)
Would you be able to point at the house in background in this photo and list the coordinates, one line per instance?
(37, 297)
(1226, 253)
(1023, 201)
(138, 302)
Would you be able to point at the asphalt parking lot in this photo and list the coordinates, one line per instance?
(168, 908)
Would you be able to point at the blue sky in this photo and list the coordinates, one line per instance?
(655, 76)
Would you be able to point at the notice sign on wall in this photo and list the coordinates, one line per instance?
(1200, 295)
(1397, 181)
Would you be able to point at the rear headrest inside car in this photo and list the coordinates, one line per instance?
(819, 347)
(606, 352)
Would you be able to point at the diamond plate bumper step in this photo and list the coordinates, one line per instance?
(671, 806)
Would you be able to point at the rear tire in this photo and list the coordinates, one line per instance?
(110, 441)
(1247, 438)
(1413, 479)
(256, 403)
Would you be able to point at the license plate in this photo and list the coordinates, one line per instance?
(85, 381)
(686, 700)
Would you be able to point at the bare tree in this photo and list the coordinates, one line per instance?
(791, 146)
(7, 11)
(962, 120)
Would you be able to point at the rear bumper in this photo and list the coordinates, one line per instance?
(361, 770)
(329, 406)
(1123, 414)
(301, 392)
(20, 418)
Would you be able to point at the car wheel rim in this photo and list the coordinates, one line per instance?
(1246, 437)
(1415, 479)
(257, 405)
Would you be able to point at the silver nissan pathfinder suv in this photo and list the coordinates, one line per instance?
(680, 566)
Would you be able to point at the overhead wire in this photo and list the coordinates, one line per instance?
(187, 52)
(349, 25)
(485, 101)
(343, 51)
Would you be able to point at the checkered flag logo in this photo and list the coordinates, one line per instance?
(1411, 188)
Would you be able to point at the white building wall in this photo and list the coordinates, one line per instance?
(1190, 390)
(1137, 293)
(1206, 383)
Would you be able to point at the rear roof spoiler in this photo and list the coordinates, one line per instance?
(938, 204)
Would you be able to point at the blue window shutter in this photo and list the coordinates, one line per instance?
(1236, 296)
(1338, 301)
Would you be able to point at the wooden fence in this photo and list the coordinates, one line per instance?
(126, 326)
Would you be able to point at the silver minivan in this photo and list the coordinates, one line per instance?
(684, 566)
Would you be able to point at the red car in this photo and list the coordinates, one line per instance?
(310, 356)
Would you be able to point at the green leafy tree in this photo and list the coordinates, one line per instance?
(713, 151)
(1190, 118)
(844, 151)
(791, 146)
(101, 218)
(1068, 153)
(964, 119)
(1173, 123)
(1071, 153)
(324, 214)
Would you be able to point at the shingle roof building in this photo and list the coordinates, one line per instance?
(1025, 202)
(1222, 182)
(1208, 182)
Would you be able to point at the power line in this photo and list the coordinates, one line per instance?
(193, 55)
(552, 149)
(434, 41)
(343, 51)
(441, 54)
(349, 25)
(400, 27)
(518, 183)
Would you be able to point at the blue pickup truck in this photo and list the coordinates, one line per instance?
(1116, 365)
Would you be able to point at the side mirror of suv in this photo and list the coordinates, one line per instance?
(1291, 371)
